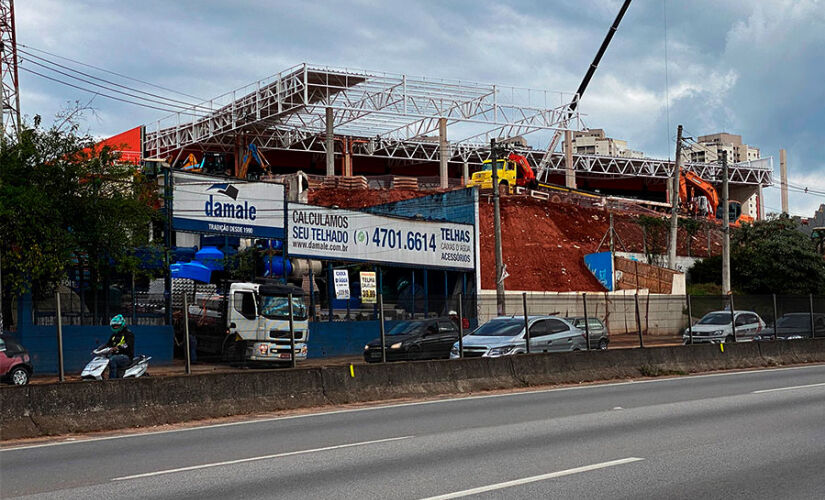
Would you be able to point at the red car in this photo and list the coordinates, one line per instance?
(15, 362)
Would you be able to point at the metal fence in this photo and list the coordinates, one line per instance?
(138, 308)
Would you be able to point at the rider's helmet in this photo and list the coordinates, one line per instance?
(118, 323)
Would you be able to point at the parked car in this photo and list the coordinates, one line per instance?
(715, 328)
(15, 363)
(504, 336)
(411, 340)
(794, 326)
(599, 336)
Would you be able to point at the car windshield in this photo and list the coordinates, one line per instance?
(500, 328)
(405, 328)
(794, 321)
(715, 319)
(277, 307)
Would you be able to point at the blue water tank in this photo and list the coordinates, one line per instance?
(210, 257)
(192, 270)
(277, 267)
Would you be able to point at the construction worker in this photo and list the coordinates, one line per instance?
(122, 343)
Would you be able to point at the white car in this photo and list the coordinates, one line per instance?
(715, 328)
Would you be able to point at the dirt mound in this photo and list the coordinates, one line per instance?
(543, 243)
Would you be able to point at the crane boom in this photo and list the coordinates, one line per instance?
(571, 108)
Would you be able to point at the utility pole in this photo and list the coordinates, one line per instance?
(783, 182)
(725, 227)
(497, 229)
(674, 199)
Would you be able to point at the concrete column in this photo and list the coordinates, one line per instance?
(330, 145)
(465, 173)
(443, 152)
(783, 183)
(760, 204)
(569, 172)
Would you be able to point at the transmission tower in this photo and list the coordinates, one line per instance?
(10, 103)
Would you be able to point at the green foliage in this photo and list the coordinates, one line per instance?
(767, 257)
(62, 201)
(774, 257)
(691, 226)
(713, 289)
(242, 265)
(655, 231)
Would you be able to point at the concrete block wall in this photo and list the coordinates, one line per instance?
(660, 314)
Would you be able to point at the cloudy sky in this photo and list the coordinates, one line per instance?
(752, 67)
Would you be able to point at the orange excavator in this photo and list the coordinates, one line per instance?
(701, 199)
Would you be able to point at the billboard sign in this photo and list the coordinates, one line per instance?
(233, 207)
(334, 234)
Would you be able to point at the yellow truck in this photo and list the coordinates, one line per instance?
(512, 171)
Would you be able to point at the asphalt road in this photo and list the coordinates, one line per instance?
(733, 435)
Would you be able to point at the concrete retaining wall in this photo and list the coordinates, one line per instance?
(661, 314)
(49, 409)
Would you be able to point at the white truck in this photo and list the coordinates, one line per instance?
(249, 322)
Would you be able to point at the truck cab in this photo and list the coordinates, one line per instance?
(484, 177)
(250, 322)
(258, 317)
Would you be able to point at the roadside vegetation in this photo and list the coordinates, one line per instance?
(769, 256)
(69, 207)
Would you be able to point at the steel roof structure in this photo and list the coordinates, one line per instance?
(391, 115)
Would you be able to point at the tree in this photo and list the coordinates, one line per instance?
(768, 257)
(64, 201)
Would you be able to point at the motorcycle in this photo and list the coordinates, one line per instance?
(94, 370)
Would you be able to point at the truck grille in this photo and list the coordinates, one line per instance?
(275, 334)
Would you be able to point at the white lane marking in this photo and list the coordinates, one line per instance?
(415, 403)
(254, 459)
(533, 479)
(794, 387)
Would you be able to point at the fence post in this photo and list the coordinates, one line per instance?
(811, 300)
(134, 301)
(61, 375)
(775, 313)
(690, 321)
(460, 325)
(732, 317)
(291, 333)
(186, 355)
(586, 323)
(381, 326)
(638, 320)
(526, 321)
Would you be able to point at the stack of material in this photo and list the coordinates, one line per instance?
(357, 182)
(330, 182)
(631, 275)
(405, 183)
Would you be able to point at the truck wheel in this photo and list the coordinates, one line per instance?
(729, 339)
(230, 351)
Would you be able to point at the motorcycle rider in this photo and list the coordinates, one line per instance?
(122, 342)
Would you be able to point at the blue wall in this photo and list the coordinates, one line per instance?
(345, 338)
(78, 342)
(452, 206)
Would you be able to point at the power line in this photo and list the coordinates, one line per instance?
(127, 101)
(200, 99)
(180, 108)
(179, 102)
